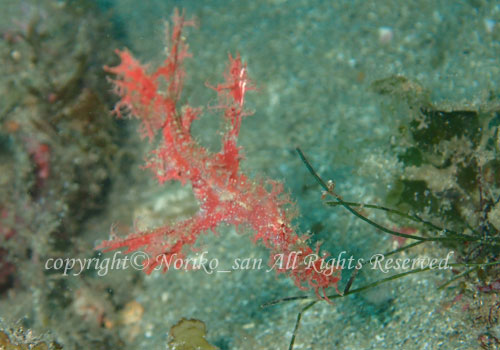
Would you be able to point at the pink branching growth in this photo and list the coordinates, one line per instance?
(224, 193)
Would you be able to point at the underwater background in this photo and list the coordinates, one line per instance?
(396, 102)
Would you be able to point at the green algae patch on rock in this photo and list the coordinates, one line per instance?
(189, 335)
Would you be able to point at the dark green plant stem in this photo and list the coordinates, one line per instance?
(365, 219)
(473, 267)
(297, 323)
(351, 281)
(416, 218)
(352, 291)
(460, 275)
(403, 248)
(412, 217)
(376, 283)
(476, 264)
